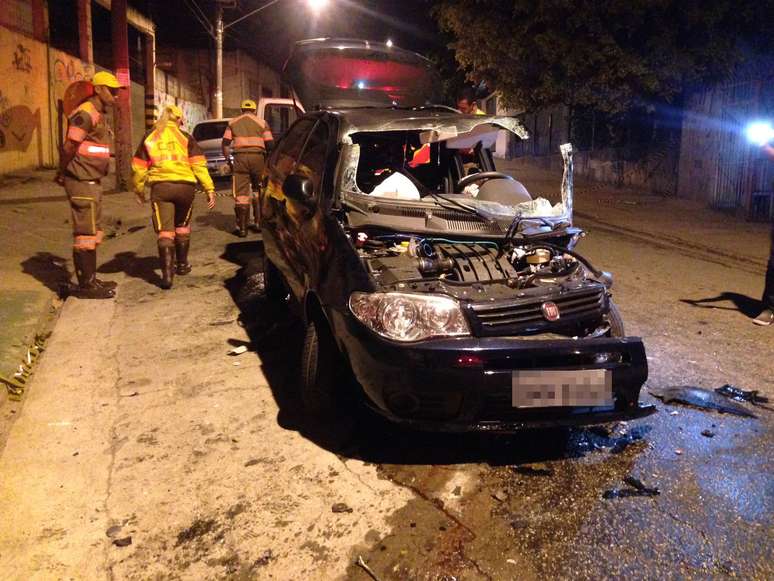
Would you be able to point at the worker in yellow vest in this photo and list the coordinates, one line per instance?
(247, 138)
(170, 160)
(83, 162)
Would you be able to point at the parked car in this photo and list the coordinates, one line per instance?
(455, 298)
(278, 113)
(209, 135)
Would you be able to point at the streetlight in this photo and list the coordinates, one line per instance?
(317, 6)
(389, 43)
(217, 99)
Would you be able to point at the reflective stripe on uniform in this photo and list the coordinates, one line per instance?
(183, 230)
(140, 163)
(85, 242)
(93, 149)
(157, 215)
(76, 134)
(167, 234)
(240, 142)
(197, 159)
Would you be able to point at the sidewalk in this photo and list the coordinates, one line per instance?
(676, 223)
(36, 239)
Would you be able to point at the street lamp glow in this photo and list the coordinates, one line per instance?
(317, 5)
(760, 132)
(389, 42)
(361, 84)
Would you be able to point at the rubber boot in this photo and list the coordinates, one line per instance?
(256, 225)
(242, 215)
(86, 271)
(182, 243)
(167, 257)
(108, 284)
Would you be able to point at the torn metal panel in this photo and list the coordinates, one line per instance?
(440, 128)
(567, 179)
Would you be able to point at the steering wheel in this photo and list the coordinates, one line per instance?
(482, 175)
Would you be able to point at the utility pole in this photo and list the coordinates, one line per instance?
(123, 111)
(217, 98)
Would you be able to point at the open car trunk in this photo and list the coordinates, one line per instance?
(341, 74)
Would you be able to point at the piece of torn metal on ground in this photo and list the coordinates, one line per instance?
(699, 397)
(636, 488)
(738, 394)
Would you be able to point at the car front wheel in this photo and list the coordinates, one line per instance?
(616, 321)
(318, 366)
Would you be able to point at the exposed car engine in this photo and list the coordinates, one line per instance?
(519, 265)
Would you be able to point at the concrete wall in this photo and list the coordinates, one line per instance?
(25, 130)
(243, 77)
(33, 79)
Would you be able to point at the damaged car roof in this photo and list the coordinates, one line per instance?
(447, 122)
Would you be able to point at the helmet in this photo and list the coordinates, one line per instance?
(174, 111)
(249, 104)
(106, 79)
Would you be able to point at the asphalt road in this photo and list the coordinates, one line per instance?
(139, 426)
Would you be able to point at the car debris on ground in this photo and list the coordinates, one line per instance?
(635, 488)
(738, 394)
(700, 398)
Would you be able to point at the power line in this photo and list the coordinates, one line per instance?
(199, 15)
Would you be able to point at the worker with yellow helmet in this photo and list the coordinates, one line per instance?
(83, 161)
(171, 162)
(246, 138)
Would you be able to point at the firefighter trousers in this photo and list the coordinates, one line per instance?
(85, 199)
(172, 205)
(248, 169)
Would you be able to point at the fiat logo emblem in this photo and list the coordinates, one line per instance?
(550, 311)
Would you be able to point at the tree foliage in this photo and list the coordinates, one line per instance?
(606, 54)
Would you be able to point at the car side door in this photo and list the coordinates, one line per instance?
(277, 218)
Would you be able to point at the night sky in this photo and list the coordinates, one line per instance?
(270, 34)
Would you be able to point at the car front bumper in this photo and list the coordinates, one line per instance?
(465, 384)
(218, 167)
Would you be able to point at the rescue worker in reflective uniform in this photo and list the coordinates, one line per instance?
(83, 162)
(171, 162)
(247, 138)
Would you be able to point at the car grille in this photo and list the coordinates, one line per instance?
(498, 317)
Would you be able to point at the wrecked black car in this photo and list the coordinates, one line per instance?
(453, 294)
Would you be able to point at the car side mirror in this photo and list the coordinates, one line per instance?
(298, 188)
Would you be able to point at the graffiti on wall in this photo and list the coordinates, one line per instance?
(68, 69)
(22, 59)
(192, 112)
(17, 126)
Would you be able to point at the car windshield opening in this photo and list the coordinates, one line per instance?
(406, 165)
(214, 130)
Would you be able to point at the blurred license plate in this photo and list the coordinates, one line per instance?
(578, 387)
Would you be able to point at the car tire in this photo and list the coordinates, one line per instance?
(318, 370)
(273, 285)
(616, 321)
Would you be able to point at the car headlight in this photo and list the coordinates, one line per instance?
(409, 317)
